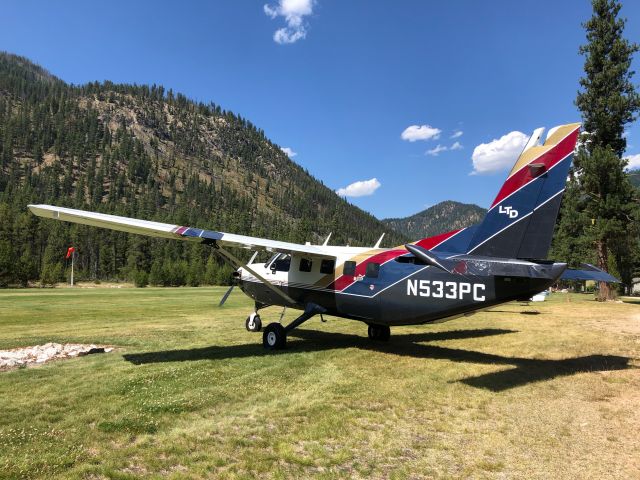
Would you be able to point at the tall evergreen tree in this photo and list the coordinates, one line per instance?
(608, 101)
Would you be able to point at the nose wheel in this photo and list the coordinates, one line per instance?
(253, 323)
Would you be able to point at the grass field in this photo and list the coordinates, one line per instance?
(189, 393)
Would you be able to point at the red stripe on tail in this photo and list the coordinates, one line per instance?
(548, 159)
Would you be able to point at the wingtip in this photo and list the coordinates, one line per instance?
(41, 210)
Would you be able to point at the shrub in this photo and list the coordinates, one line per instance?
(140, 278)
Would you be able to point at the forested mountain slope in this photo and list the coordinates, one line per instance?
(440, 218)
(143, 151)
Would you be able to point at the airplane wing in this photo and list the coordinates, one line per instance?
(176, 232)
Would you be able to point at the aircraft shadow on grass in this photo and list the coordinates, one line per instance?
(527, 370)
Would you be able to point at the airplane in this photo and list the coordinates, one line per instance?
(433, 279)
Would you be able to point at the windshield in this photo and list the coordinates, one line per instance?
(266, 265)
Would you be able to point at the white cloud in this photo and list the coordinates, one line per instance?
(289, 152)
(498, 154)
(634, 162)
(422, 132)
(359, 189)
(457, 134)
(443, 148)
(293, 12)
(286, 35)
(436, 150)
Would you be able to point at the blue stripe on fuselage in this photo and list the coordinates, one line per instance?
(389, 273)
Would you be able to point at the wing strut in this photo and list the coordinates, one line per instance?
(238, 263)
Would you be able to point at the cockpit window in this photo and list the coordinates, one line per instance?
(282, 264)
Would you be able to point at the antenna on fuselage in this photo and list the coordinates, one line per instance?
(326, 240)
(377, 245)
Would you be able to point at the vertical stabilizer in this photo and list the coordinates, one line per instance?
(522, 217)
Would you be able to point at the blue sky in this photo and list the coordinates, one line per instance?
(353, 77)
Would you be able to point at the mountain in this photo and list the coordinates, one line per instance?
(634, 178)
(440, 218)
(146, 152)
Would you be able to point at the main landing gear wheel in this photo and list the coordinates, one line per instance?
(379, 332)
(253, 323)
(274, 337)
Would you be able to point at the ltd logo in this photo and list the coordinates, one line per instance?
(509, 211)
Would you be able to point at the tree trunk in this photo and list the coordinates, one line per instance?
(604, 292)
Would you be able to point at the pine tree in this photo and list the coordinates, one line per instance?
(210, 273)
(7, 258)
(608, 101)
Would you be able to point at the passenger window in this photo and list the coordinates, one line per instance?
(373, 269)
(327, 266)
(305, 265)
(349, 268)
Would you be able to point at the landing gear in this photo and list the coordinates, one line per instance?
(274, 336)
(253, 323)
(379, 332)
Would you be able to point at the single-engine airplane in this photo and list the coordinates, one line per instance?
(433, 279)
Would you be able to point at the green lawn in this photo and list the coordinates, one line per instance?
(550, 390)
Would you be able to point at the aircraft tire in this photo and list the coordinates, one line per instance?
(379, 332)
(254, 326)
(274, 337)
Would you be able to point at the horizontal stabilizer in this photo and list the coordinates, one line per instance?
(431, 258)
(475, 265)
(588, 272)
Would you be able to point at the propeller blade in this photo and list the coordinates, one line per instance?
(226, 295)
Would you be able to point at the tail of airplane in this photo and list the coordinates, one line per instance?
(522, 217)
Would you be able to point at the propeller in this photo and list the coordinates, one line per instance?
(235, 279)
(226, 295)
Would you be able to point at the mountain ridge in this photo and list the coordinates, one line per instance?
(146, 152)
(442, 217)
